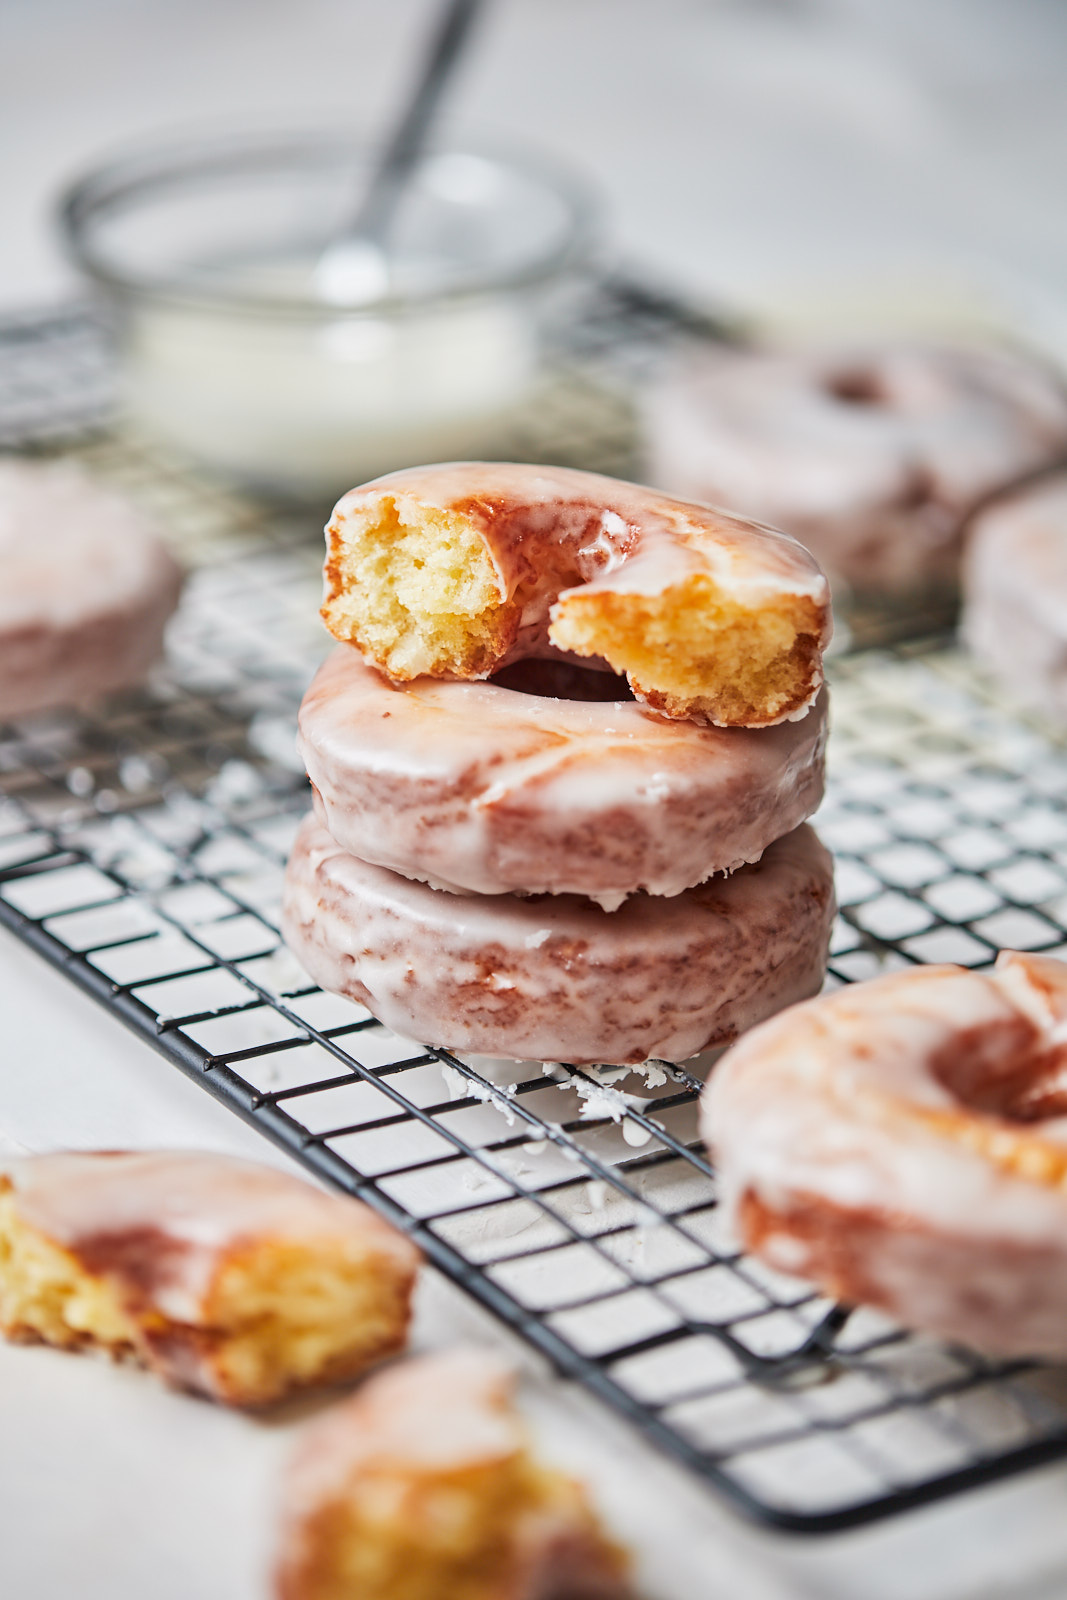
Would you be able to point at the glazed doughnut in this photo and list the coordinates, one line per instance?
(1015, 592)
(455, 571)
(85, 589)
(222, 1276)
(556, 978)
(902, 1143)
(422, 1485)
(871, 455)
(480, 788)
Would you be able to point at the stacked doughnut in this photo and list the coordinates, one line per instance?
(561, 761)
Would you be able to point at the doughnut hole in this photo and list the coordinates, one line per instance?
(562, 680)
(1002, 1070)
(857, 387)
(691, 652)
(418, 594)
(1007, 1082)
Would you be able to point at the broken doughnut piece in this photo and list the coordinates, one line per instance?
(224, 1277)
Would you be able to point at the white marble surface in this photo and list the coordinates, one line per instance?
(785, 156)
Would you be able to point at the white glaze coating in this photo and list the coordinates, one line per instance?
(474, 787)
(1015, 593)
(543, 528)
(163, 1222)
(85, 588)
(557, 978)
(872, 455)
(875, 1107)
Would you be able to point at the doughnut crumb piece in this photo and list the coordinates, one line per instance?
(422, 1486)
(693, 652)
(414, 587)
(224, 1277)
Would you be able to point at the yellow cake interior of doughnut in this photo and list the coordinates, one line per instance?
(403, 1535)
(45, 1294)
(295, 1312)
(419, 596)
(692, 649)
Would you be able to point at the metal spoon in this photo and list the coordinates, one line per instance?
(354, 269)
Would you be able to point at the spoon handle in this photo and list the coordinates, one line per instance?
(409, 137)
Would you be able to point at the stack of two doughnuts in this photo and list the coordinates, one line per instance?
(519, 854)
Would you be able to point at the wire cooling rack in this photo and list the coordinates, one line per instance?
(141, 852)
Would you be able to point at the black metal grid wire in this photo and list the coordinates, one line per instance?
(141, 851)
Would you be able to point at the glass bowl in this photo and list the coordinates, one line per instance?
(208, 250)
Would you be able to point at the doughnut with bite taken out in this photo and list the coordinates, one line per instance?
(457, 571)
